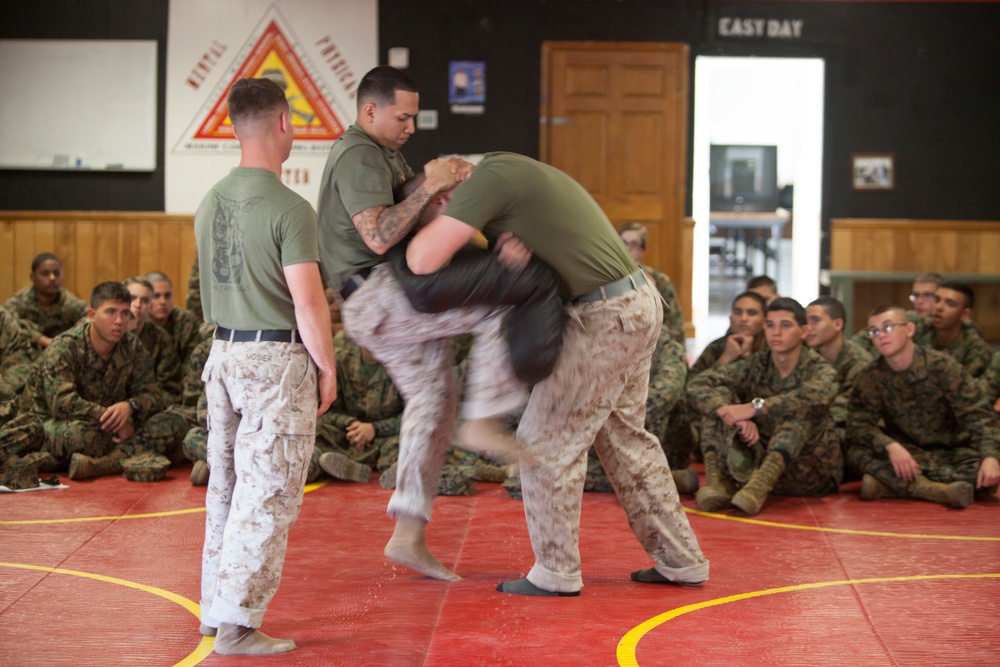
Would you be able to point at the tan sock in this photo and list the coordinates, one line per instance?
(241, 640)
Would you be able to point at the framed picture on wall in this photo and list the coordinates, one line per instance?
(873, 171)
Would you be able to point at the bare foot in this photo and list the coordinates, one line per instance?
(408, 547)
(419, 558)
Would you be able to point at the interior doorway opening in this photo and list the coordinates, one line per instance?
(758, 108)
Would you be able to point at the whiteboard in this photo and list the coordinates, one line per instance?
(78, 104)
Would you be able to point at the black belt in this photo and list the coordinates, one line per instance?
(261, 335)
(616, 288)
(353, 283)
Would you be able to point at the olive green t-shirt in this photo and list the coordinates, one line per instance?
(248, 228)
(359, 174)
(550, 212)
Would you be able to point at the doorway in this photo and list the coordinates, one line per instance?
(763, 102)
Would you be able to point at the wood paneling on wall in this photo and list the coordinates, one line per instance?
(883, 255)
(95, 246)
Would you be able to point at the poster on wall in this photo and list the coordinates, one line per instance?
(467, 86)
(316, 50)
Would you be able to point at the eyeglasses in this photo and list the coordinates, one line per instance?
(633, 244)
(888, 327)
(922, 295)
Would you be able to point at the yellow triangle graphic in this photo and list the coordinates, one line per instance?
(273, 57)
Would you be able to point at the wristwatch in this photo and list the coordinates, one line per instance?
(134, 405)
(758, 405)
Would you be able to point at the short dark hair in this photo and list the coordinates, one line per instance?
(752, 295)
(43, 257)
(380, 85)
(762, 281)
(109, 290)
(833, 307)
(790, 305)
(964, 288)
(250, 99)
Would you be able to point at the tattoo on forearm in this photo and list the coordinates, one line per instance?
(387, 226)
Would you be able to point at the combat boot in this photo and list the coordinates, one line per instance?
(873, 489)
(85, 467)
(752, 496)
(686, 480)
(199, 473)
(718, 489)
(956, 494)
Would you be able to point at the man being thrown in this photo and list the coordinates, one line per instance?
(597, 390)
(272, 335)
(766, 420)
(918, 424)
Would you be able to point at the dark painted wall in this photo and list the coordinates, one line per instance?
(918, 80)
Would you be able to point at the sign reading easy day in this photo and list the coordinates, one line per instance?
(734, 26)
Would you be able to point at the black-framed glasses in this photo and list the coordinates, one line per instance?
(888, 327)
(634, 244)
(921, 295)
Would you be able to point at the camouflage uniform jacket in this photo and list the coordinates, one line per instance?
(45, 321)
(969, 349)
(184, 328)
(673, 316)
(851, 361)
(667, 373)
(933, 404)
(15, 356)
(163, 357)
(710, 355)
(991, 380)
(364, 391)
(70, 381)
(194, 406)
(193, 301)
(805, 394)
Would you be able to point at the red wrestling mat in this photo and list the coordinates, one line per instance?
(107, 573)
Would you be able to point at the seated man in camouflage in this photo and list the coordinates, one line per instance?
(183, 326)
(918, 425)
(826, 317)
(158, 343)
(766, 420)
(20, 434)
(952, 331)
(93, 388)
(167, 432)
(922, 296)
(44, 307)
(746, 326)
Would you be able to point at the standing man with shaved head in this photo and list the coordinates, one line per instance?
(258, 249)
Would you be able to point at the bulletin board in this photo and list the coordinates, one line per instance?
(78, 104)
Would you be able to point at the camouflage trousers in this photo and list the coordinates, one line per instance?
(379, 454)
(597, 395)
(414, 350)
(960, 464)
(262, 401)
(195, 444)
(21, 435)
(63, 438)
(813, 469)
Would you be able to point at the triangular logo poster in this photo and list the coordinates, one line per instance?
(273, 57)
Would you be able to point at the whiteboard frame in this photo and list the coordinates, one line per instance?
(81, 105)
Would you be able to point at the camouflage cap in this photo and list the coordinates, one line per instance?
(145, 468)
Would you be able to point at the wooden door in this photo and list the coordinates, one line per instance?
(614, 117)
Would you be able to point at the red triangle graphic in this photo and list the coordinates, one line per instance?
(273, 56)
